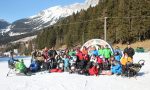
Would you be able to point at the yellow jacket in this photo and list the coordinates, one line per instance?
(125, 60)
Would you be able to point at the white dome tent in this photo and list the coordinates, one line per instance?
(96, 43)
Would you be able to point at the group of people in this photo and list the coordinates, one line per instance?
(86, 61)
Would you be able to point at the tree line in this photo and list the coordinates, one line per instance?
(128, 21)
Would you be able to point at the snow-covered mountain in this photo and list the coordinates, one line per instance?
(45, 18)
(3, 24)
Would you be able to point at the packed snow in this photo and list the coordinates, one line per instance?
(66, 81)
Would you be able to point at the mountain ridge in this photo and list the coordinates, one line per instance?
(45, 18)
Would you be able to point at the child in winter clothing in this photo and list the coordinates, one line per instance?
(116, 68)
(66, 63)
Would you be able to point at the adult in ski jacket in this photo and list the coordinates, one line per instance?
(95, 51)
(52, 53)
(107, 53)
(117, 56)
(100, 50)
(118, 51)
(129, 50)
(84, 50)
(72, 52)
(126, 62)
(11, 61)
(126, 59)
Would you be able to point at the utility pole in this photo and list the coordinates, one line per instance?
(105, 28)
(83, 38)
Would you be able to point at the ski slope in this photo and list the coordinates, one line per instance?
(66, 81)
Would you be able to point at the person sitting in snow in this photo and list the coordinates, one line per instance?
(21, 68)
(126, 62)
(93, 61)
(116, 67)
(34, 66)
(93, 70)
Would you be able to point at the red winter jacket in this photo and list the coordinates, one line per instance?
(93, 71)
(79, 55)
(45, 55)
(86, 57)
(99, 60)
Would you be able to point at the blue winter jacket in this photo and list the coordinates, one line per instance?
(34, 66)
(95, 52)
(116, 69)
(118, 57)
(119, 51)
(66, 62)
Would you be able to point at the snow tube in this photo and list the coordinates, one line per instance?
(106, 72)
(55, 70)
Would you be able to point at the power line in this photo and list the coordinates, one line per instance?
(84, 21)
(102, 19)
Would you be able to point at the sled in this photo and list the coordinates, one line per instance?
(135, 68)
(104, 72)
(22, 74)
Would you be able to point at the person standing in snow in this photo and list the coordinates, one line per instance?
(129, 50)
(66, 63)
(52, 53)
(11, 61)
(107, 53)
(100, 50)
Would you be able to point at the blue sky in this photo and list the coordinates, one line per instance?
(11, 10)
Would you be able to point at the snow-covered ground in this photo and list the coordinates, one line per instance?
(65, 81)
(25, 39)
